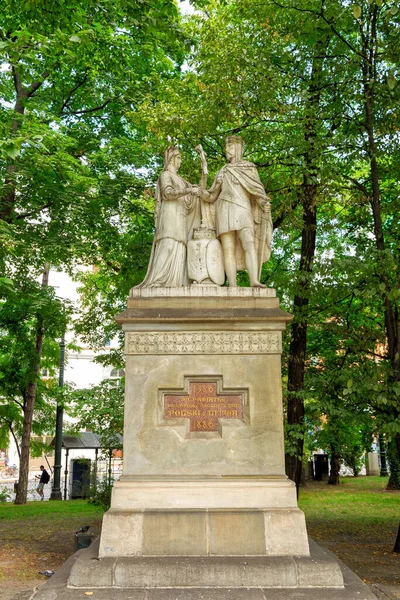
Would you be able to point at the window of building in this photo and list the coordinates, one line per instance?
(117, 373)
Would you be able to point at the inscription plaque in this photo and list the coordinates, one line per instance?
(203, 406)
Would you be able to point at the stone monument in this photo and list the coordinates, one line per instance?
(203, 501)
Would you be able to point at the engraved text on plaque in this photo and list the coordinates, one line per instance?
(203, 406)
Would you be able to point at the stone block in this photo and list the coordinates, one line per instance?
(206, 594)
(156, 493)
(318, 573)
(285, 533)
(87, 570)
(321, 569)
(205, 573)
(122, 531)
(236, 533)
(174, 533)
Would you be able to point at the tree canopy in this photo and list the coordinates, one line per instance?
(93, 93)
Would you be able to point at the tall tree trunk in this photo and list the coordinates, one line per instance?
(390, 307)
(394, 464)
(298, 343)
(29, 405)
(23, 94)
(397, 542)
(8, 200)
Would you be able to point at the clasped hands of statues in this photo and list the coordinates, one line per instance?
(199, 192)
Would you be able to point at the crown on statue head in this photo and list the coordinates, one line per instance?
(234, 139)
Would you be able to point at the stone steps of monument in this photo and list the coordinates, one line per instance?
(85, 564)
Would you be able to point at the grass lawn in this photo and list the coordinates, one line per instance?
(50, 511)
(357, 520)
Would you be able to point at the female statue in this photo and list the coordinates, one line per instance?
(176, 214)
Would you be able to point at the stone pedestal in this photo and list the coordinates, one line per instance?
(204, 508)
(203, 442)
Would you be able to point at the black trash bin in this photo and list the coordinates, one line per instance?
(83, 540)
(321, 467)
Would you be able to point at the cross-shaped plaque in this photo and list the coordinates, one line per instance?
(203, 406)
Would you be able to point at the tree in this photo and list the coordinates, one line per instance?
(100, 409)
(22, 321)
(374, 46)
(290, 88)
(72, 73)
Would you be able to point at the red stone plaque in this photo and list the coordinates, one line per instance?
(203, 406)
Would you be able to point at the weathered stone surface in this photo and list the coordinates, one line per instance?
(160, 448)
(285, 532)
(242, 214)
(206, 572)
(204, 291)
(88, 570)
(164, 493)
(174, 533)
(171, 462)
(205, 258)
(205, 531)
(176, 213)
(200, 572)
(237, 533)
(122, 529)
(248, 571)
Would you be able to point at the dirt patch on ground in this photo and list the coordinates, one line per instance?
(372, 559)
(25, 550)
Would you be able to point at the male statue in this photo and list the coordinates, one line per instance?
(242, 214)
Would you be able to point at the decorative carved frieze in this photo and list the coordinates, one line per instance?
(216, 342)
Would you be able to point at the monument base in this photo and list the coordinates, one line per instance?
(214, 516)
(318, 577)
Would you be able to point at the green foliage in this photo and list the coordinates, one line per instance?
(21, 306)
(100, 494)
(70, 165)
(4, 495)
(92, 96)
(100, 409)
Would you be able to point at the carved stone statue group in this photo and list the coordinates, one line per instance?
(202, 236)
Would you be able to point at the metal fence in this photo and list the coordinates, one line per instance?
(102, 470)
(7, 489)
